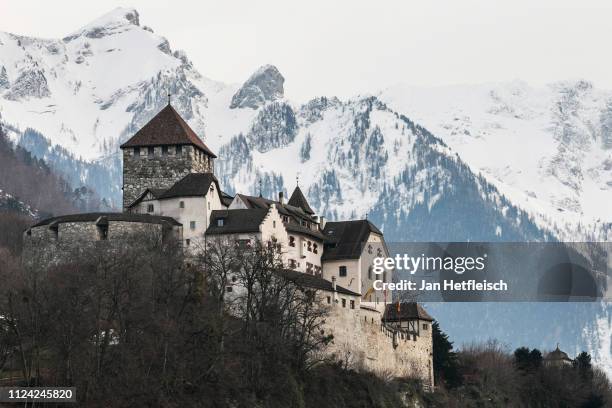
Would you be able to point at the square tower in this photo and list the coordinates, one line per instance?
(164, 151)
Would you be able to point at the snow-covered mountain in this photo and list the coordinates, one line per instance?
(74, 100)
(548, 149)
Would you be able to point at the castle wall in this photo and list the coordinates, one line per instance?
(159, 171)
(44, 243)
(362, 341)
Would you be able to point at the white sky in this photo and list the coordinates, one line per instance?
(341, 48)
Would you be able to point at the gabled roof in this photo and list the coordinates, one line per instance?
(226, 198)
(348, 238)
(408, 311)
(155, 193)
(104, 217)
(295, 215)
(192, 185)
(298, 200)
(284, 209)
(236, 221)
(167, 128)
(315, 282)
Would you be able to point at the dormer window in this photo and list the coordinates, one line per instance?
(150, 208)
(220, 222)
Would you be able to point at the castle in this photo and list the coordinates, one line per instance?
(169, 189)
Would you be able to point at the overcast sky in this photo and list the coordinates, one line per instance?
(347, 47)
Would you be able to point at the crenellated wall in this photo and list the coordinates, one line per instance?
(160, 171)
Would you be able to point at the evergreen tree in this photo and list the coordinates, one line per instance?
(4, 82)
(445, 363)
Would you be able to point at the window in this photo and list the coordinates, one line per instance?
(164, 150)
(243, 243)
(370, 249)
(291, 241)
(370, 272)
(181, 204)
(192, 225)
(151, 151)
(352, 304)
(328, 300)
(292, 264)
(273, 224)
(137, 152)
(309, 267)
(220, 222)
(343, 302)
(314, 248)
(103, 232)
(425, 326)
(187, 242)
(179, 149)
(309, 246)
(229, 289)
(342, 270)
(150, 208)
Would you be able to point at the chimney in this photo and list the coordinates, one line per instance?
(281, 198)
(322, 222)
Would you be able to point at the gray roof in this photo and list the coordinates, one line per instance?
(347, 238)
(295, 215)
(557, 354)
(236, 221)
(298, 200)
(226, 198)
(107, 216)
(192, 185)
(314, 282)
(155, 192)
(408, 311)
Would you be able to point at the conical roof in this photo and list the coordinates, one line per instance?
(557, 354)
(167, 128)
(298, 200)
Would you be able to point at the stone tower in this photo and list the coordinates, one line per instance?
(164, 151)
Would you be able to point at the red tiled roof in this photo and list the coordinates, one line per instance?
(167, 128)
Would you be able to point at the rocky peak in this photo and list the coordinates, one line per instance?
(115, 21)
(265, 85)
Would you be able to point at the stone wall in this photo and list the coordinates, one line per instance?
(364, 342)
(160, 171)
(48, 245)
